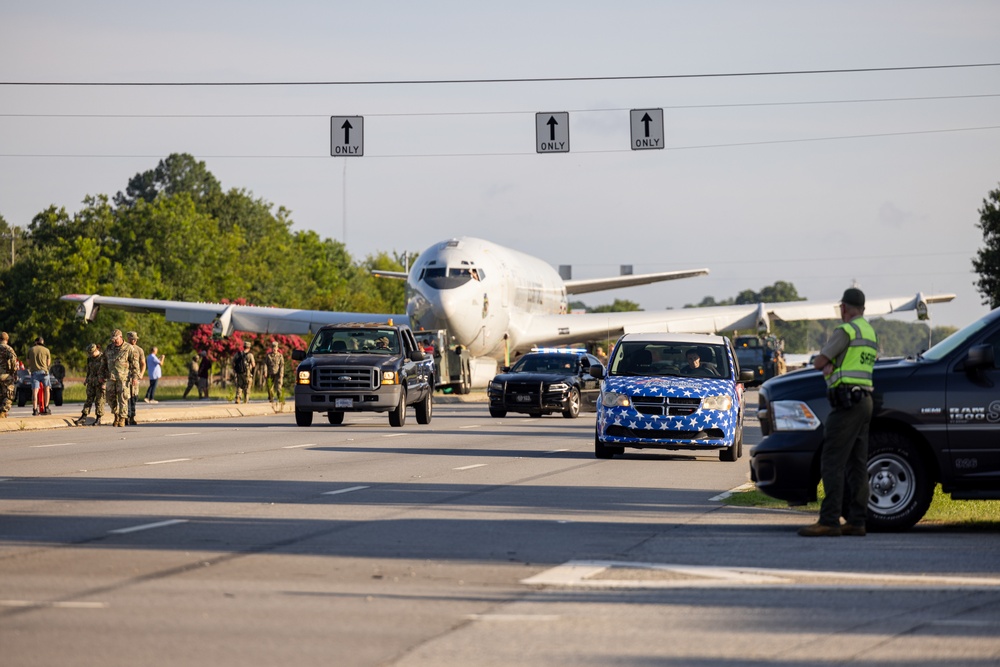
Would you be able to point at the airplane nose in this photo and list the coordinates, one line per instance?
(455, 306)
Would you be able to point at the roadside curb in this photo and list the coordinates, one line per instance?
(195, 413)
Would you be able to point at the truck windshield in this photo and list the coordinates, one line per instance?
(954, 341)
(347, 341)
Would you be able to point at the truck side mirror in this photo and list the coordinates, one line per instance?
(416, 354)
(298, 355)
(747, 375)
(980, 357)
(597, 371)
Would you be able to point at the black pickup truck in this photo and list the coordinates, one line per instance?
(936, 420)
(363, 368)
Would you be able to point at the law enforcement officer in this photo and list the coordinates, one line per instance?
(133, 392)
(121, 368)
(192, 376)
(8, 374)
(274, 367)
(243, 365)
(847, 361)
(94, 382)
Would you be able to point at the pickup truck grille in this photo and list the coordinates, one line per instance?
(665, 406)
(345, 378)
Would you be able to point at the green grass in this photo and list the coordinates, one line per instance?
(77, 393)
(943, 510)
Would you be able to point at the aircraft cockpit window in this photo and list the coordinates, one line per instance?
(440, 278)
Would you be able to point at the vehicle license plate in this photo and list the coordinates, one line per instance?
(524, 398)
(343, 403)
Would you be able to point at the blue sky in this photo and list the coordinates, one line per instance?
(817, 179)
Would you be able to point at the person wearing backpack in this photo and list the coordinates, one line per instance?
(243, 366)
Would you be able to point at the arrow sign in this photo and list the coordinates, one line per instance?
(552, 132)
(647, 129)
(341, 144)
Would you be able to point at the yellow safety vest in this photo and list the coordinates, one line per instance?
(854, 365)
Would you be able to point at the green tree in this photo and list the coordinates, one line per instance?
(987, 260)
(175, 174)
(618, 306)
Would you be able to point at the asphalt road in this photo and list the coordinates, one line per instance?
(470, 541)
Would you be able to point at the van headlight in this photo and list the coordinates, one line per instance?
(722, 403)
(612, 399)
(793, 416)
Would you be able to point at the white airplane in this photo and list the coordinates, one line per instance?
(494, 301)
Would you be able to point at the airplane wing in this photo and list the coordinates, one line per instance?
(601, 284)
(558, 329)
(226, 317)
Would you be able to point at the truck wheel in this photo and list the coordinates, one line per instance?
(900, 487)
(498, 413)
(303, 418)
(425, 409)
(572, 410)
(397, 416)
(335, 418)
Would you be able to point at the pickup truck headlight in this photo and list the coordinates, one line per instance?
(612, 399)
(303, 377)
(389, 377)
(794, 416)
(723, 403)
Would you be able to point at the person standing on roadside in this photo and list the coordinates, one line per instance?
(37, 362)
(274, 367)
(140, 359)
(192, 376)
(204, 371)
(244, 365)
(154, 365)
(121, 368)
(94, 383)
(8, 374)
(847, 361)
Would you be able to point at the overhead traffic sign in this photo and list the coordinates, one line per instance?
(647, 129)
(552, 132)
(347, 136)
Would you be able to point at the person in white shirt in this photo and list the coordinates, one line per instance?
(154, 365)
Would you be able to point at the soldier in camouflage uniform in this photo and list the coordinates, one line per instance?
(121, 368)
(244, 365)
(95, 386)
(8, 375)
(133, 340)
(274, 368)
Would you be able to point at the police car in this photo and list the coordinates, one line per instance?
(672, 391)
(547, 380)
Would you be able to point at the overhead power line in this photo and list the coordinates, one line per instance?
(554, 79)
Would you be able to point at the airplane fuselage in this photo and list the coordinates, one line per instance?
(481, 292)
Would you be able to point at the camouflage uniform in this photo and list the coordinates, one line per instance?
(132, 338)
(8, 376)
(274, 369)
(120, 368)
(95, 385)
(243, 379)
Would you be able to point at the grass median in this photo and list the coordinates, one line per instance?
(971, 514)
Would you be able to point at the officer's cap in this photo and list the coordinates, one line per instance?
(131, 335)
(91, 347)
(853, 297)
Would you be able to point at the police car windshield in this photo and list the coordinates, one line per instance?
(545, 363)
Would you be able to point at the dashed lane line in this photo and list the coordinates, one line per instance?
(475, 465)
(147, 526)
(347, 490)
(156, 463)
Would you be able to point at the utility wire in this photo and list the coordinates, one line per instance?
(412, 82)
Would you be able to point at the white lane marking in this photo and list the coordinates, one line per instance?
(749, 486)
(583, 574)
(513, 617)
(392, 435)
(177, 435)
(311, 444)
(475, 465)
(54, 605)
(556, 451)
(147, 526)
(61, 444)
(471, 426)
(347, 490)
(156, 463)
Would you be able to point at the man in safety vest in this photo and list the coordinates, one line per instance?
(847, 361)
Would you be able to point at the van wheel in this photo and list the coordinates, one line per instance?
(603, 451)
(425, 409)
(397, 416)
(303, 418)
(899, 486)
(335, 418)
